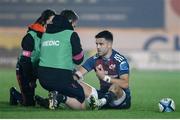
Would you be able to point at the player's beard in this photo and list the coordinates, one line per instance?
(102, 51)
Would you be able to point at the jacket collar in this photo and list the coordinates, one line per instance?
(37, 27)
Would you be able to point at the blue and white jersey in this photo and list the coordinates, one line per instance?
(115, 66)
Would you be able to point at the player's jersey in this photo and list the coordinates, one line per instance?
(114, 67)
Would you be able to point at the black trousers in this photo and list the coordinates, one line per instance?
(27, 91)
(61, 80)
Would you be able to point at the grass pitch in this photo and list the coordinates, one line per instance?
(147, 87)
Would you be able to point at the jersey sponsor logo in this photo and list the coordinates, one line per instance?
(124, 66)
(51, 43)
(118, 57)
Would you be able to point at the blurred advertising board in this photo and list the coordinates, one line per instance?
(93, 13)
(145, 49)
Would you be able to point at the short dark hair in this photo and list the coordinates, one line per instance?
(45, 15)
(70, 15)
(106, 35)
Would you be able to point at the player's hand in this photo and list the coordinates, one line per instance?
(100, 73)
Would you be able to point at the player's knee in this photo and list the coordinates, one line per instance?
(128, 103)
(93, 93)
(117, 90)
